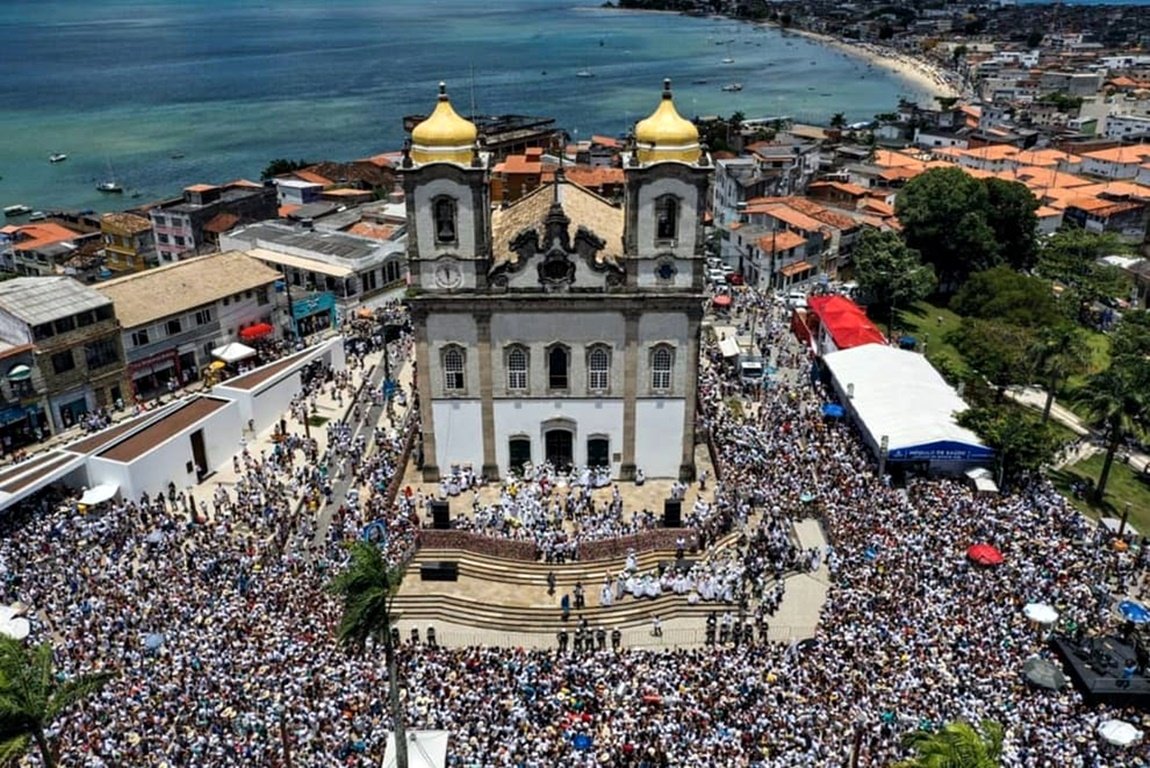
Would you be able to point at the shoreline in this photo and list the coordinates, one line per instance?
(924, 74)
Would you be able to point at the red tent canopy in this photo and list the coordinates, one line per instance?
(985, 554)
(845, 321)
(722, 300)
(257, 331)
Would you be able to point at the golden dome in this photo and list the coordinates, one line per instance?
(665, 135)
(444, 137)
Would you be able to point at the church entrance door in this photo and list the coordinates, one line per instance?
(559, 444)
(519, 449)
(598, 452)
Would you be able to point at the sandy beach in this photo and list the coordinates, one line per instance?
(924, 74)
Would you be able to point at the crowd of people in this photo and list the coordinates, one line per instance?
(220, 629)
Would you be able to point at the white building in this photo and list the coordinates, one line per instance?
(560, 328)
(1126, 126)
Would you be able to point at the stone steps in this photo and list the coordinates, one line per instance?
(628, 613)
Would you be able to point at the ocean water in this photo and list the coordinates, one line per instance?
(125, 86)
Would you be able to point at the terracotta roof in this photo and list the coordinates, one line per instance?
(1046, 157)
(878, 206)
(605, 141)
(221, 222)
(1100, 207)
(593, 177)
(200, 188)
(582, 206)
(146, 296)
(288, 210)
(125, 223)
(371, 229)
(314, 178)
(840, 186)
(891, 159)
(244, 183)
(795, 218)
(1134, 153)
(899, 173)
(783, 240)
(34, 236)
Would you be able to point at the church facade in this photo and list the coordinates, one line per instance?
(561, 328)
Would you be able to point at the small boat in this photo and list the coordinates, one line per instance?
(584, 73)
(110, 187)
(700, 82)
(731, 87)
(59, 157)
(728, 60)
(37, 216)
(17, 210)
(177, 155)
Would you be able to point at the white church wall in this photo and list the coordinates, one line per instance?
(464, 245)
(659, 436)
(598, 417)
(684, 244)
(458, 433)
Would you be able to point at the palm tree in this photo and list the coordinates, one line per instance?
(957, 745)
(31, 697)
(838, 120)
(368, 587)
(1059, 352)
(1116, 401)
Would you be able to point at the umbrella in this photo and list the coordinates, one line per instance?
(155, 537)
(1043, 673)
(834, 410)
(218, 365)
(257, 331)
(985, 554)
(1135, 612)
(1040, 613)
(17, 628)
(1119, 733)
(806, 497)
(153, 641)
(722, 300)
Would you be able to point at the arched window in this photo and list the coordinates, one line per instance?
(454, 379)
(667, 218)
(662, 360)
(517, 368)
(598, 368)
(445, 228)
(557, 364)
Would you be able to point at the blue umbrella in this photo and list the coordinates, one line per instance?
(1135, 612)
(153, 641)
(834, 410)
(582, 741)
(806, 497)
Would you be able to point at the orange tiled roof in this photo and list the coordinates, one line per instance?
(877, 206)
(221, 222)
(200, 188)
(783, 240)
(372, 229)
(795, 218)
(899, 172)
(244, 183)
(605, 141)
(312, 177)
(840, 186)
(288, 210)
(41, 234)
(1135, 153)
(594, 177)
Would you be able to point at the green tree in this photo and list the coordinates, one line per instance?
(1034, 39)
(1022, 443)
(943, 214)
(282, 165)
(1116, 400)
(889, 273)
(1059, 352)
(959, 52)
(956, 745)
(996, 350)
(1011, 213)
(1003, 294)
(1131, 338)
(1070, 257)
(32, 696)
(838, 120)
(368, 587)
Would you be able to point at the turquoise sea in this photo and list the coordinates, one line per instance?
(127, 87)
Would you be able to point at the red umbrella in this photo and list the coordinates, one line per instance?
(722, 300)
(259, 330)
(984, 554)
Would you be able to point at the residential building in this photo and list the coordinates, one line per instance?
(129, 242)
(1129, 127)
(38, 248)
(562, 328)
(180, 224)
(1116, 163)
(23, 398)
(77, 352)
(327, 274)
(298, 192)
(172, 317)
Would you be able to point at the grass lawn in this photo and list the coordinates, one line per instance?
(931, 324)
(1124, 486)
(1099, 344)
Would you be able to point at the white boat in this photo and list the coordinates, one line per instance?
(17, 210)
(59, 157)
(584, 73)
(110, 187)
(728, 60)
(731, 87)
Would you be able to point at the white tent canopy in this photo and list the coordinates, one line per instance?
(99, 494)
(233, 352)
(983, 480)
(898, 394)
(425, 749)
(729, 347)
